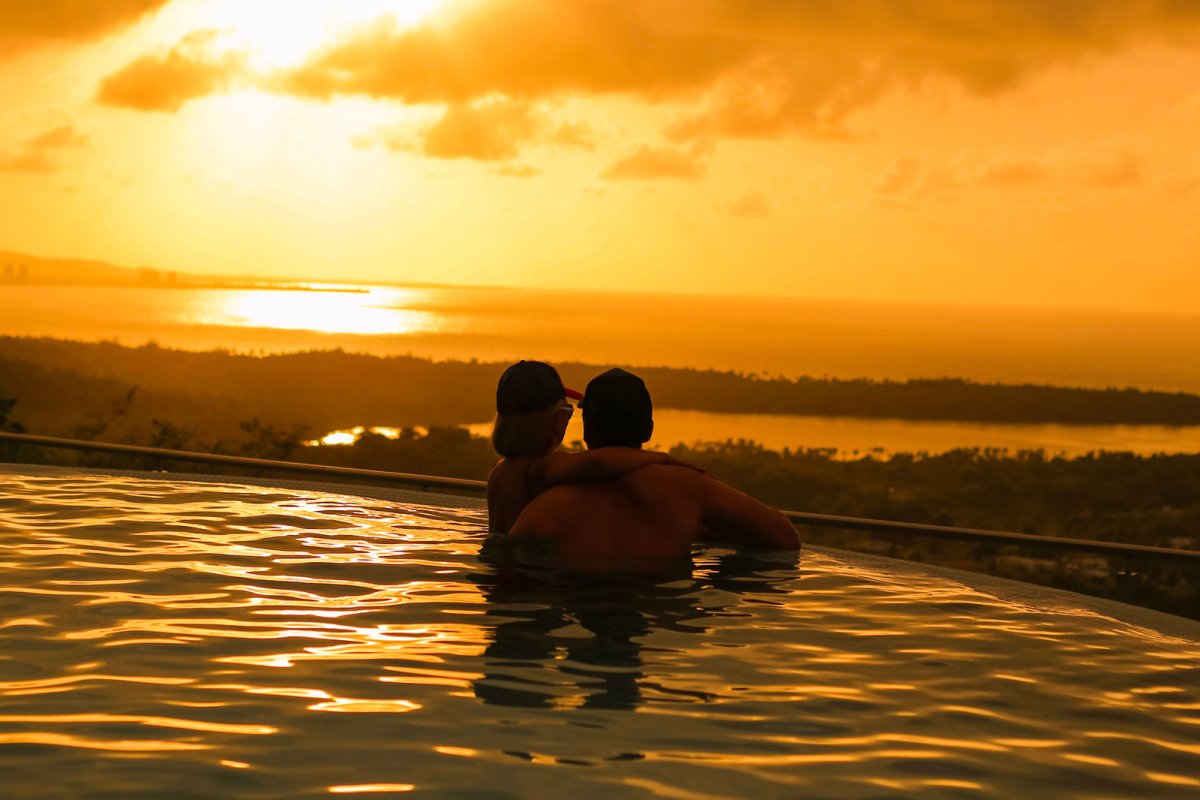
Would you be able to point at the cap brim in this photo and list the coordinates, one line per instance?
(571, 393)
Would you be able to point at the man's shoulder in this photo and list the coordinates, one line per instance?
(679, 474)
(664, 484)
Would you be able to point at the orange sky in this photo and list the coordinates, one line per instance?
(997, 151)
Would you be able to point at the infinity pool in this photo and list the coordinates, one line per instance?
(165, 638)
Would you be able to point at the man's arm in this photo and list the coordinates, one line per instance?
(735, 517)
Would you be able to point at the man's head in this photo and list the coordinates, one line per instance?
(617, 411)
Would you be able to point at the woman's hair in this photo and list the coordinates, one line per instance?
(516, 435)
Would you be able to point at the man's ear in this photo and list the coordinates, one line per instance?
(649, 432)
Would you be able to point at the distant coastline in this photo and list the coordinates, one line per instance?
(23, 269)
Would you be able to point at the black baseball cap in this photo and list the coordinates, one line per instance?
(529, 386)
(617, 405)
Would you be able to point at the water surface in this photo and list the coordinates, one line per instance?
(165, 638)
(778, 336)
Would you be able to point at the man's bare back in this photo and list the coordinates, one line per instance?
(651, 515)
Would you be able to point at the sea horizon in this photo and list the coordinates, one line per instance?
(776, 337)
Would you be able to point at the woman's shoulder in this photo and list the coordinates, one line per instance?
(513, 475)
(510, 466)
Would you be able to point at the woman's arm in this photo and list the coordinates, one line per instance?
(591, 465)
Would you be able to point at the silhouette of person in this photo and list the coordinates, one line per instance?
(641, 519)
(532, 411)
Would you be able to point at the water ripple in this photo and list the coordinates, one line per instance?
(163, 637)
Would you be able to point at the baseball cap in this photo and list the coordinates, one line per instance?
(617, 398)
(529, 386)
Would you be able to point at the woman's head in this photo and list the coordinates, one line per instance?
(531, 410)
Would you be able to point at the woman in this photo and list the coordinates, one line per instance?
(532, 412)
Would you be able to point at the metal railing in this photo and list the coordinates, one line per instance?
(432, 482)
(422, 482)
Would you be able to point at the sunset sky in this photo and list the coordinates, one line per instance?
(1035, 152)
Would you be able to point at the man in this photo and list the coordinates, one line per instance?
(649, 516)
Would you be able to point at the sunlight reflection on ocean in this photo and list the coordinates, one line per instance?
(348, 309)
(166, 638)
(779, 336)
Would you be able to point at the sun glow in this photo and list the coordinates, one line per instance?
(376, 311)
(279, 33)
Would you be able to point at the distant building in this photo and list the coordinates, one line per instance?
(15, 273)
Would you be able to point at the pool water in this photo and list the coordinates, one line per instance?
(165, 638)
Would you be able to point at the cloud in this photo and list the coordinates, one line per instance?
(26, 24)
(493, 130)
(727, 68)
(743, 69)
(910, 178)
(520, 49)
(1013, 172)
(901, 178)
(750, 205)
(1114, 170)
(488, 132)
(1182, 187)
(164, 82)
(650, 163)
(572, 134)
(518, 171)
(43, 153)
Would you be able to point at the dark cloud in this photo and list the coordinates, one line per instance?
(43, 153)
(189, 70)
(29, 23)
(651, 163)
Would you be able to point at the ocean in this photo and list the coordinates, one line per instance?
(767, 336)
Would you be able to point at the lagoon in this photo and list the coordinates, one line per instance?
(854, 438)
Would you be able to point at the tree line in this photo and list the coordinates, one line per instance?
(58, 380)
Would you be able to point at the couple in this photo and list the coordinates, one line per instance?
(614, 505)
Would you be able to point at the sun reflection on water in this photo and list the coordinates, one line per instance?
(366, 311)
